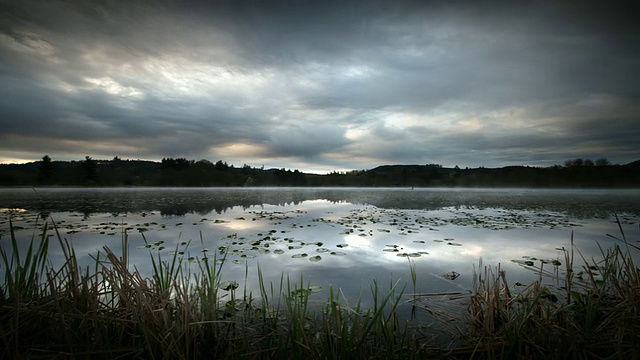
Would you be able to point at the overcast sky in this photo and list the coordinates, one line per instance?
(320, 85)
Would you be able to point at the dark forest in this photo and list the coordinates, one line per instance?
(180, 172)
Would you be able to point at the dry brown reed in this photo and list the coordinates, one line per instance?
(595, 315)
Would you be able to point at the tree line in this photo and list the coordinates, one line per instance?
(181, 172)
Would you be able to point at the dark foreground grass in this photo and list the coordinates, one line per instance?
(108, 311)
(595, 316)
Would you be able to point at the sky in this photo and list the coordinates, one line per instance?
(321, 86)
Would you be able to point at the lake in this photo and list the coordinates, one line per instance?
(339, 237)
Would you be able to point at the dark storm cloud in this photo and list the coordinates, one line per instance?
(321, 85)
(307, 141)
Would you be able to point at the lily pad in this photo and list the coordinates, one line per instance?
(409, 254)
(228, 285)
(306, 291)
(451, 275)
(524, 262)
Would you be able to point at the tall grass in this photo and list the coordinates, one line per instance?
(596, 314)
(185, 311)
(109, 310)
(23, 274)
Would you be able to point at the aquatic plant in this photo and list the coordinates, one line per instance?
(109, 310)
(594, 315)
(187, 310)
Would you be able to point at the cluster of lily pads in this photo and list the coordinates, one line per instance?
(364, 221)
(531, 261)
(270, 243)
(276, 232)
(356, 221)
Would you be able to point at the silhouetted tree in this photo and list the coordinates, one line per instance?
(574, 162)
(221, 166)
(115, 162)
(298, 178)
(176, 164)
(602, 162)
(45, 171)
(90, 169)
(204, 163)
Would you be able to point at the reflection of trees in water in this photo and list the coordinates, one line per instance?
(177, 202)
(576, 204)
(220, 205)
(174, 202)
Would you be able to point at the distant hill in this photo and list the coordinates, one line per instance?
(181, 172)
(635, 164)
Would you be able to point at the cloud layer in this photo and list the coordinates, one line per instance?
(320, 86)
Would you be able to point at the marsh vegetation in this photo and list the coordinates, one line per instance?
(313, 278)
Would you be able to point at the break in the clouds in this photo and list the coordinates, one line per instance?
(320, 86)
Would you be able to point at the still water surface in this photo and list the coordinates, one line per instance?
(344, 238)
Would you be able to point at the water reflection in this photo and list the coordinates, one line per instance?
(172, 202)
(332, 237)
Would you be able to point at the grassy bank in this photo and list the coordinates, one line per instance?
(107, 310)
